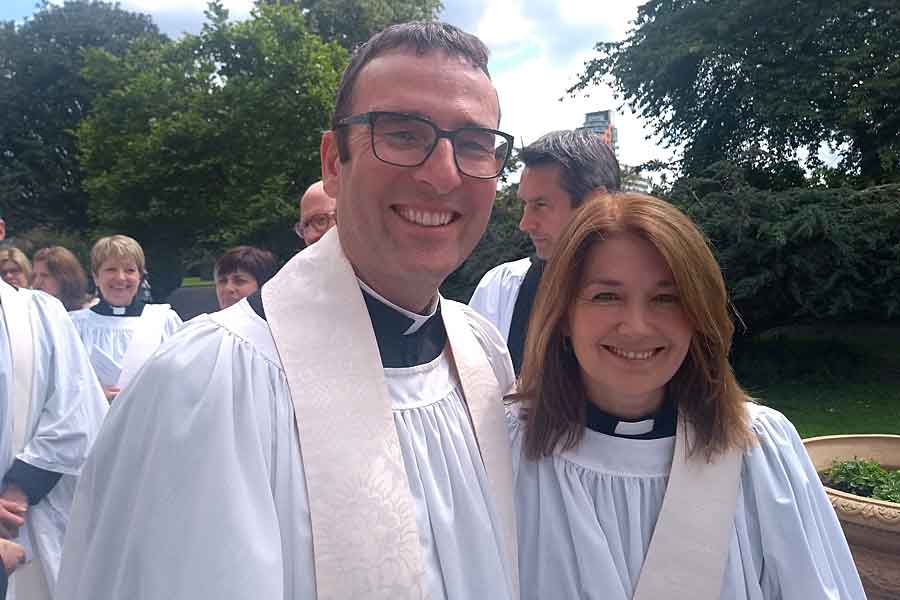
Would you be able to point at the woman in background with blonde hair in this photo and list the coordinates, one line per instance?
(643, 469)
(57, 272)
(15, 268)
(120, 332)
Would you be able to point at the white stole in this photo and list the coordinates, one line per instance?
(144, 341)
(348, 441)
(689, 547)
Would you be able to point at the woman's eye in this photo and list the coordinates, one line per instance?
(603, 297)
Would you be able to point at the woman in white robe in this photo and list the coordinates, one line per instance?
(120, 317)
(632, 333)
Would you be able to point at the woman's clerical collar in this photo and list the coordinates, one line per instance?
(660, 424)
(405, 338)
(135, 309)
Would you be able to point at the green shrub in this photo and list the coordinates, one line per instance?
(799, 255)
(777, 359)
(864, 477)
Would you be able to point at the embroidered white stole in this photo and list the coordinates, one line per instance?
(689, 547)
(365, 536)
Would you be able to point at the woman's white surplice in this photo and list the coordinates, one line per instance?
(107, 338)
(586, 517)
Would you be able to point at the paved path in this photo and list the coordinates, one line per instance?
(189, 302)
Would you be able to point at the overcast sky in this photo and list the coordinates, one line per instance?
(538, 47)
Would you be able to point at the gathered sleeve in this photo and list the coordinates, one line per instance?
(804, 551)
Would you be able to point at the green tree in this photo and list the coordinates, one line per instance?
(207, 142)
(42, 99)
(800, 255)
(352, 22)
(502, 242)
(752, 82)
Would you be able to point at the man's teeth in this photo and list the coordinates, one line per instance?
(631, 355)
(426, 218)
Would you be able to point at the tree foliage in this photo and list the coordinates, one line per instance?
(42, 99)
(754, 81)
(352, 22)
(502, 242)
(207, 142)
(802, 254)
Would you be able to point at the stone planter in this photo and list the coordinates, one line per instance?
(872, 526)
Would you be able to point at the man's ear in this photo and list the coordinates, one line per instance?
(331, 164)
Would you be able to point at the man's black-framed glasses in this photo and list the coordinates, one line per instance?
(408, 140)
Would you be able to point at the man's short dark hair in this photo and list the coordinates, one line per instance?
(585, 161)
(250, 259)
(422, 36)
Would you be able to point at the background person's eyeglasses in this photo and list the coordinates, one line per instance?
(407, 141)
(320, 223)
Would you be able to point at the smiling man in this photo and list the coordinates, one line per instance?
(562, 168)
(340, 434)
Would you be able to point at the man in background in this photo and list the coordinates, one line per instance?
(562, 168)
(317, 214)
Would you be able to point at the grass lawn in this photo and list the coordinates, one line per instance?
(823, 409)
(196, 282)
(828, 379)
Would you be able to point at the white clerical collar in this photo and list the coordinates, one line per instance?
(417, 320)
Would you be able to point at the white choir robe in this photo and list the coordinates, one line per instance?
(495, 296)
(67, 410)
(196, 486)
(113, 334)
(586, 517)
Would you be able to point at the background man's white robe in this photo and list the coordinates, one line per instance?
(586, 517)
(196, 486)
(495, 296)
(68, 407)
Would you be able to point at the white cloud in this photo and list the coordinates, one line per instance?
(502, 24)
(531, 79)
(530, 98)
(616, 17)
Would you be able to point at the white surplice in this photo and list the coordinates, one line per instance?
(196, 487)
(587, 515)
(66, 411)
(113, 334)
(495, 296)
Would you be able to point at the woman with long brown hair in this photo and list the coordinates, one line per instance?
(644, 469)
(58, 273)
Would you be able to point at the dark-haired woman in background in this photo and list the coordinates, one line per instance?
(240, 272)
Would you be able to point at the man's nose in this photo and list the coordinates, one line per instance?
(526, 223)
(439, 170)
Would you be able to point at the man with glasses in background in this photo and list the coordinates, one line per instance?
(340, 434)
(317, 214)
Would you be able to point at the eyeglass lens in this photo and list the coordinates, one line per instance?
(407, 141)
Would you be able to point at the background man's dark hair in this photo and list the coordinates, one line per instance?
(423, 37)
(585, 161)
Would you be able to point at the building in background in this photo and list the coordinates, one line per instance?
(601, 122)
(634, 181)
